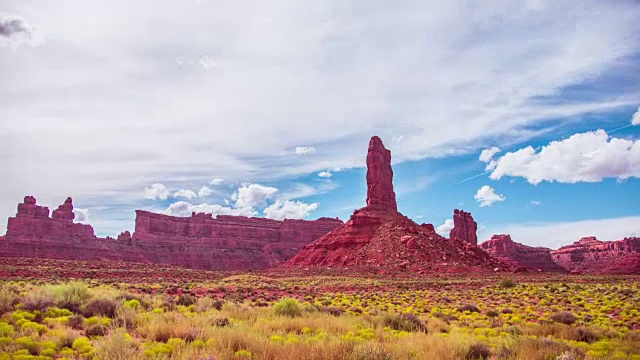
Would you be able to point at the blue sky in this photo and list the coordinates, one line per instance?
(141, 106)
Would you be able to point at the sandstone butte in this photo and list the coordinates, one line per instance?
(521, 257)
(587, 255)
(379, 238)
(200, 241)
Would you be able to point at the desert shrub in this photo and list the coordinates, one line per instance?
(478, 351)
(126, 317)
(507, 283)
(39, 300)
(468, 307)
(96, 330)
(332, 311)
(220, 321)
(404, 322)
(76, 322)
(69, 296)
(117, 346)
(203, 304)
(163, 327)
(288, 307)
(586, 335)
(8, 299)
(564, 317)
(101, 307)
(506, 311)
(492, 313)
(186, 300)
(217, 304)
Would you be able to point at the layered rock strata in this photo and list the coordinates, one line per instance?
(200, 241)
(521, 256)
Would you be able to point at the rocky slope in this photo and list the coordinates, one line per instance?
(521, 256)
(379, 237)
(200, 241)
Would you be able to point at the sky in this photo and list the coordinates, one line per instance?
(523, 113)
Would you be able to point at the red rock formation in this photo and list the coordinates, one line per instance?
(520, 256)
(65, 211)
(590, 255)
(380, 176)
(199, 241)
(227, 242)
(378, 237)
(464, 227)
(33, 220)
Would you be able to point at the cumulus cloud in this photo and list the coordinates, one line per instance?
(325, 174)
(305, 150)
(216, 181)
(205, 191)
(82, 215)
(535, 203)
(252, 195)
(487, 154)
(445, 227)
(11, 25)
(183, 208)
(156, 191)
(185, 194)
(286, 209)
(330, 87)
(585, 157)
(486, 196)
(635, 119)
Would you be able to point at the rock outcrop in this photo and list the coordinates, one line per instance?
(521, 256)
(380, 176)
(200, 241)
(464, 227)
(378, 237)
(590, 255)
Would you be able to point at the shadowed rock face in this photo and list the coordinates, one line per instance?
(464, 227)
(200, 241)
(519, 255)
(591, 255)
(378, 236)
(380, 176)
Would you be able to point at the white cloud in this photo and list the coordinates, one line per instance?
(15, 31)
(325, 174)
(585, 157)
(185, 194)
(204, 191)
(635, 119)
(305, 150)
(252, 195)
(445, 227)
(295, 66)
(486, 196)
(82, 215)
(156, 192)
(216, 181)
(556, 234)
(286, 209)
(535, 202)
(183, 208)
(487, 154)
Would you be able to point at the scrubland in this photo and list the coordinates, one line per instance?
(258, 316)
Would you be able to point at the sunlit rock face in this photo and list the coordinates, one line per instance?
(379, 237)
(590, 255)
(521, 256)
(464, 227)
(200, 241)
